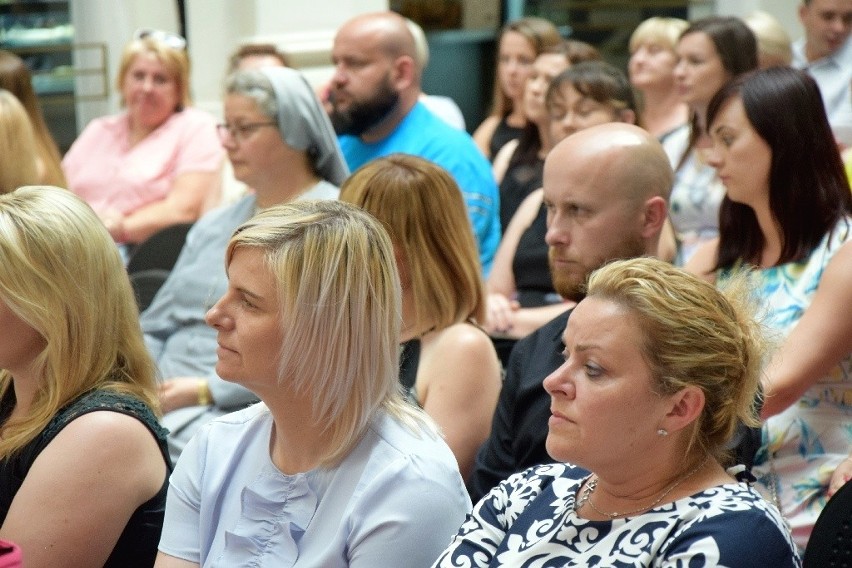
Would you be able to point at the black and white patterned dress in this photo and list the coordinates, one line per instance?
(529, 521)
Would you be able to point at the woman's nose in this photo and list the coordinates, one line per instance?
(711, 156)
(216, 316)
(559, 382)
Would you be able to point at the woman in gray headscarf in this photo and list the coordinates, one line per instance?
(281, 144)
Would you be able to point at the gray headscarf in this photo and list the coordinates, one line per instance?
(302, 122)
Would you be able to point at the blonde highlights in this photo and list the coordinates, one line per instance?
(339, 298)
(694, 335)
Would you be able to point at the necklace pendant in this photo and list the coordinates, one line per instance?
(593, 484)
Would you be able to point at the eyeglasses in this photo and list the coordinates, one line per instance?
(171, 40)
(239, 132)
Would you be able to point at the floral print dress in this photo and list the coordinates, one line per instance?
(804, 444)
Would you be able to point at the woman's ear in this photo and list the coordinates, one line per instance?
(686, 407)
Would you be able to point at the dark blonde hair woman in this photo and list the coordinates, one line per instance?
(154, 164)
(448, 365)
(84, 468)
(659, 368)
(334, 467)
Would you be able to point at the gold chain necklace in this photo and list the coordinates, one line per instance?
(592, 484)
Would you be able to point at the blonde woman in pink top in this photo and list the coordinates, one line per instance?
(154, 164)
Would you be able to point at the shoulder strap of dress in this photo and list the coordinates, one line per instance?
(112, 401)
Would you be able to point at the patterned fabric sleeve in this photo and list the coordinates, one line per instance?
(734, 526)
(487, 526)
(528, 521)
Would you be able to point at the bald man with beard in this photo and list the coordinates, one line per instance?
(606, 190)
(375, 109)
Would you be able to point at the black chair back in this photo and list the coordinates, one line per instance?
(830, 544)
(160, 250)
(151, 262)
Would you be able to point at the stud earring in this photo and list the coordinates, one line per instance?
(662, 432)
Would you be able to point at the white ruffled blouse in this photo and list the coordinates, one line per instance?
(395, 500)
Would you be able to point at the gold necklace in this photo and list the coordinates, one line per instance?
(592, 484)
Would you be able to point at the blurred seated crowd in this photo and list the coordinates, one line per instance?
(609, 327)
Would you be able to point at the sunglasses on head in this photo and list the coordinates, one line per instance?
(171, 40)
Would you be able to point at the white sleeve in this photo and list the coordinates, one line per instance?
(407, 516)
(181, 536)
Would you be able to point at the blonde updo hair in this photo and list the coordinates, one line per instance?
(658, 30)
(694, 335)
(773, 42)
(174, 60)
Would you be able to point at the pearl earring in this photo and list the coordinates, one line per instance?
(662, 432)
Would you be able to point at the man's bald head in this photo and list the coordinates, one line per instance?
(388, 31)
(631, 158)
(606, 190)
(376, 80)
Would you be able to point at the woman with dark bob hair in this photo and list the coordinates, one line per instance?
(659, 367)
(787, 220)
(711, 52)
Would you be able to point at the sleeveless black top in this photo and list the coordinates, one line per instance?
(502, 134)
(530, 268)
(518, 182)
(137, 545)
(409, 360)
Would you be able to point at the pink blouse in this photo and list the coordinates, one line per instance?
(103, 169)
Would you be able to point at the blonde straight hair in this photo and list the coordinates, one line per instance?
(62, 275)
(339, 301)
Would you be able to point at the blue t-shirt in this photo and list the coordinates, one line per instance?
(423, 134)
(529, 520)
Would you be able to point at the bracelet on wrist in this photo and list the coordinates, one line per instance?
(204, 398)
